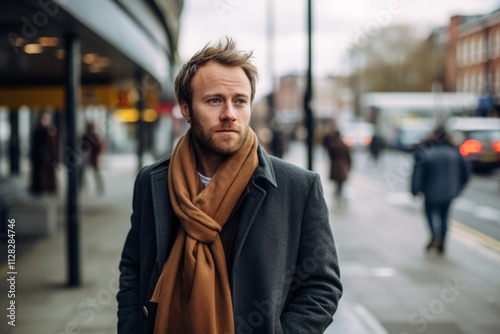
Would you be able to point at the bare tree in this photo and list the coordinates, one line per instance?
(395, 60)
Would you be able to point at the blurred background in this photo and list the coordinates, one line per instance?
(87, 99)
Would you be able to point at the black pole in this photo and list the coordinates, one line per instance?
(14, 147)
(308, 94)
(72, 88)
(270, 55)
(140, 123)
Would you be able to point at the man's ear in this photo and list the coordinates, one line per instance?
(185, 111)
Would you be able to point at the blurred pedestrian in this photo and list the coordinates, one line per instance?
(93, 147)
(440, 174)
(221, 231)
(376, 146)
(44, 154)
(340, 160)
(278, 138)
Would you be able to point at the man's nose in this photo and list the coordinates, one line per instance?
(229, 113)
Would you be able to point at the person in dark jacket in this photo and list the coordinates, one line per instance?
(376, 146)
(440, 174)
(340, 160)
(225, 238)
(93, 145)
(44, 154)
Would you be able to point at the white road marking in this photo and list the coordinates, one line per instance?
(488, 213)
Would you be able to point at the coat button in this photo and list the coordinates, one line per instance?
(145, 310)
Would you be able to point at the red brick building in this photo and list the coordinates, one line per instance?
(470, 47)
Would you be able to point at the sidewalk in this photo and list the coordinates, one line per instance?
(44, 304)
(352, 316)
(389, 282)
(380, 240)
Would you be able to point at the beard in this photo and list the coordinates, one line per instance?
(210, 142)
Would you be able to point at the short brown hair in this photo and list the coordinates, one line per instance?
(223, 52)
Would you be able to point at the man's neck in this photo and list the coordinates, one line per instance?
(206, 163)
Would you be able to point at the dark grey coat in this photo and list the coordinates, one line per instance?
(440, 172)
(285, 274)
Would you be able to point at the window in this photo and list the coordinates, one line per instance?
(473, 49)
(496, 80)
(460, 83)
(459, 53)
(465, 50)
(481, 49)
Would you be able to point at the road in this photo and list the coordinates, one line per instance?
(380, 233)
(478, 207)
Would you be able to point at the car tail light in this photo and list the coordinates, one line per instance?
(471, 146)
(348, 140)
(366, 140)
(496, 146)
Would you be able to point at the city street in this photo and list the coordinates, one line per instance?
(477, 207)
(380, 234)
(391, 285)
(93, 91)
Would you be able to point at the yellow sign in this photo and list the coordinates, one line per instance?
(42, 96)
(131, 115)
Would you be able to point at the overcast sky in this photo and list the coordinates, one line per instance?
(337, 23)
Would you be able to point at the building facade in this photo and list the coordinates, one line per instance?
(472, 54)
(116, 56)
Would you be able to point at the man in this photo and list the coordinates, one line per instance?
(225, 238)
(44, 151)
(440, 173)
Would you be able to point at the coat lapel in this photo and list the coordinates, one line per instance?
(162, 212)
(253, 202)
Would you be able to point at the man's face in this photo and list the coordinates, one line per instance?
(220, 109)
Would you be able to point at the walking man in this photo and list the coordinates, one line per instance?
(440, 174)
(225, 238)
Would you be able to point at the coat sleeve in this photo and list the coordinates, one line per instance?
(417, 177)
(128, 294)
(316, 287)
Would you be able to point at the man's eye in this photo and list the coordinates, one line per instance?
(241, 101)
(214, 100)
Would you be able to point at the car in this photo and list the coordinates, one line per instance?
(357, 135)
(478, 140)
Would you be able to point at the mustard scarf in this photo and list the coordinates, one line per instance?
(193, 292)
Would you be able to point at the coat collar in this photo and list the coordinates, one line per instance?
(163, 211)
(264, 170)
